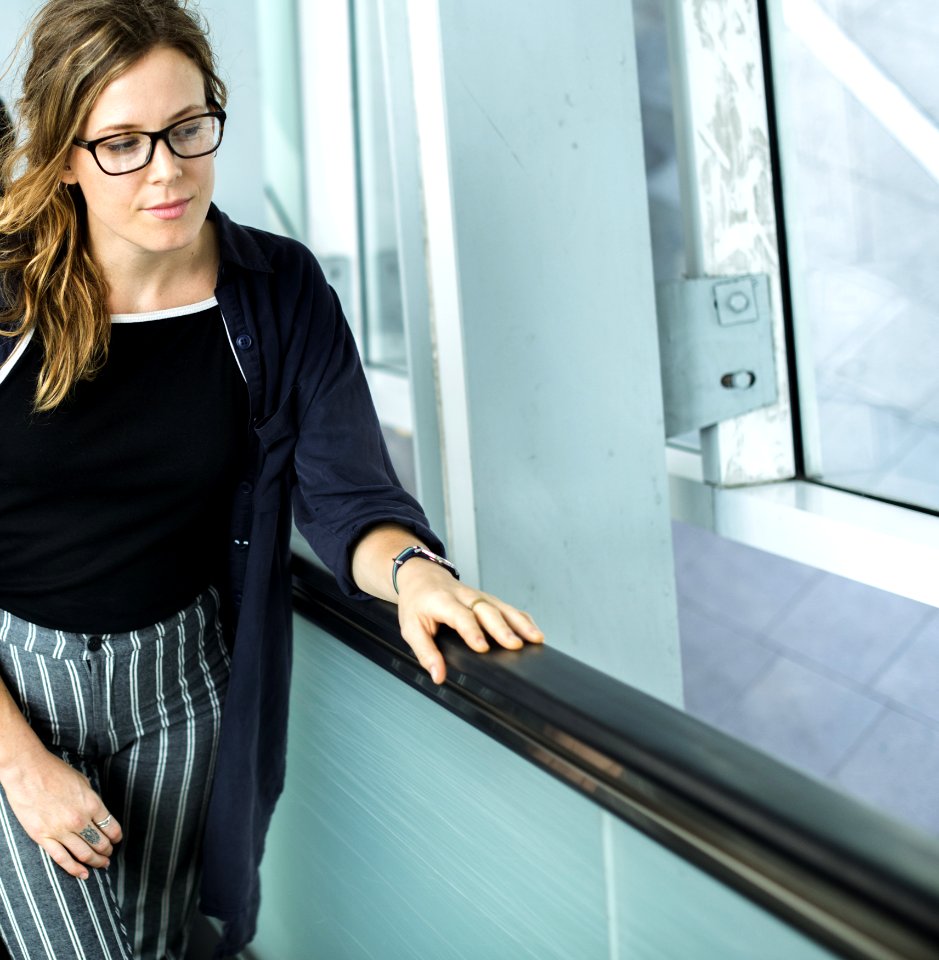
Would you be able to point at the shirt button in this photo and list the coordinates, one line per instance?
(241, 544)
(246, 486)
(243, 341)
(94, 644)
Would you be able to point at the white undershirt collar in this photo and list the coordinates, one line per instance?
(163, 314)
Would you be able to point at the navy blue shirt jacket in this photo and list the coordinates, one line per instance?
(316, 457)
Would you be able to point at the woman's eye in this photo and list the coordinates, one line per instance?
(124, 145)
(189, 132)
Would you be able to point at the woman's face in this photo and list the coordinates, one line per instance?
(162, 207)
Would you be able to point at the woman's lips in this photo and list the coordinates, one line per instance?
(169, 211)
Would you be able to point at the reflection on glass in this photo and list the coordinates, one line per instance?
(381, 295)
(859, 136)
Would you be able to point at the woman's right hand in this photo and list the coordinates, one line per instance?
(60, 811)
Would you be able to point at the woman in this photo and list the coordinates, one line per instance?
(172, 384)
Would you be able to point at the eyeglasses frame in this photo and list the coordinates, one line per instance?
(155, 137)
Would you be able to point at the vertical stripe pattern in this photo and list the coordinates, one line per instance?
(139, 714)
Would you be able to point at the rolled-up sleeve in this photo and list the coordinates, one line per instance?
(345, 481)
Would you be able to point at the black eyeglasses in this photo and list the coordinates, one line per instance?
(127, 152)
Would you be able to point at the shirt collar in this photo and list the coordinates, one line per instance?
(236, 244)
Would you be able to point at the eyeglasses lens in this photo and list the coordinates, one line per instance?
(195, 137)
(127, 152)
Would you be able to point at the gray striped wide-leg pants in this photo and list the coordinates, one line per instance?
(139, 714)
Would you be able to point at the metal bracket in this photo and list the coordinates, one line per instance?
(716, 349)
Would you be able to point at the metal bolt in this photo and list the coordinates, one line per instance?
(738, 302)
(738, 380)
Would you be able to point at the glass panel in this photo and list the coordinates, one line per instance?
(859, 109)
(383, 315)
(404, 832)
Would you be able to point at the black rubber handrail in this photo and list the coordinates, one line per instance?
(850, 877)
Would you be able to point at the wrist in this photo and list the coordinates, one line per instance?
(418, 558)
(27, 752)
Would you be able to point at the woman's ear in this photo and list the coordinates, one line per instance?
(68, 175)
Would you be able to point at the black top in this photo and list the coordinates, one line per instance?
(115, 506)
(315, 446)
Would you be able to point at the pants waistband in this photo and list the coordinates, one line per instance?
(62, 645)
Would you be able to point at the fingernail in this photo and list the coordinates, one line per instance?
(83, 876)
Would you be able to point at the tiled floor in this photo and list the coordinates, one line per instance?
(831, 676)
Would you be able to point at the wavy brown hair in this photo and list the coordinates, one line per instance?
(48, 280)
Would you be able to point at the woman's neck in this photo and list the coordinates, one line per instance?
(147, 282)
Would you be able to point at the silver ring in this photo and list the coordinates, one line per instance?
(101, 824)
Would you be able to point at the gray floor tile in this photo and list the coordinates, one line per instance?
(718, 662)
(800, 717)
(913, 677)
(690, 542)
(897, 769)
(742, 586)
(848, 627)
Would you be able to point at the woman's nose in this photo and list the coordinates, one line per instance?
(164, 164)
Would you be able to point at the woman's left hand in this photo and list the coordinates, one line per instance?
(429, 596)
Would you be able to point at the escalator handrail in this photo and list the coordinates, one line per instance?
(851, 877)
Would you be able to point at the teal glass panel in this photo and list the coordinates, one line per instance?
(406, 833)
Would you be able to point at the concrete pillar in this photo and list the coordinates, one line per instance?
(542, 316)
